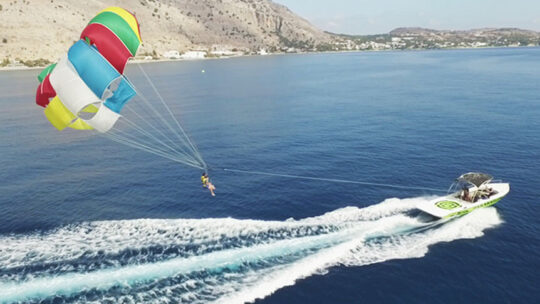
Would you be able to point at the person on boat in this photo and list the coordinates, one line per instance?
(205, 180)
(465, 195)
(486, 193)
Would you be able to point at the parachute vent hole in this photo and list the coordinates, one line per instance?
(89, 111)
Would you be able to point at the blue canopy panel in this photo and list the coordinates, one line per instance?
(122, 95)
(95, 71)
(99, 74)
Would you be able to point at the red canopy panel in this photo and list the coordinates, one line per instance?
(45, 91)
(108, 44)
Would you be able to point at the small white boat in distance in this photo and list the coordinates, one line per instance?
(470, 191)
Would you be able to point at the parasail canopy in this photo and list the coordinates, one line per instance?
(89, 79)
(86, 89)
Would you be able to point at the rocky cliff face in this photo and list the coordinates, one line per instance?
(31, 29)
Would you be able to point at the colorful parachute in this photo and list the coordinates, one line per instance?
(86, 88)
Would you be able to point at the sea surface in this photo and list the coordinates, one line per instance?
(88, 220)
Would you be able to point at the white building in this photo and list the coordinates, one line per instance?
(479, 44)
(226, 53)
(193, 55)
(171, 54)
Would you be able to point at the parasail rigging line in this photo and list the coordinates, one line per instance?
(335, 180)
(190, 142)
(154, 127)
(150, 124)
(120, 136)
(163, 120)
(135, 141)
(148, 134)
(182, 150)
(128, 143)
(134, 144)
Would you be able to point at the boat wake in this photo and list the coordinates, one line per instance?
(214, 260)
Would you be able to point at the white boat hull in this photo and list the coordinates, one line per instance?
(452, 206)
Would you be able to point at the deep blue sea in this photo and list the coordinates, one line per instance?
(85, 219)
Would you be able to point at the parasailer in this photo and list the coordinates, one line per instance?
(205, 180)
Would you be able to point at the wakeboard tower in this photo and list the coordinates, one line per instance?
(470, 191)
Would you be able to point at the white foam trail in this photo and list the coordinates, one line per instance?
(128, 275)
(357, 253)
(264, 256)
(112, 237)
(104, 279)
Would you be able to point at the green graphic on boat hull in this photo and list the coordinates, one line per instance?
(447, 205)
(463, 212)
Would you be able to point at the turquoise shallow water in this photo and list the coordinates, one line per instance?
(79, 208)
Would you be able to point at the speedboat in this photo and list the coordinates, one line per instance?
(470, 191)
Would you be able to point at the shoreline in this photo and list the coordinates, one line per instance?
(133, 61)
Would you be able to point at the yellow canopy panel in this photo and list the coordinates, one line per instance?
(60, 117)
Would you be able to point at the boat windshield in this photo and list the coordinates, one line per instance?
(476, 185)
(469, 180)
(458, 186)
(475, 178)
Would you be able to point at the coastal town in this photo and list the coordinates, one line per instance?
(420, 38)
(191, 30)
(398, 39)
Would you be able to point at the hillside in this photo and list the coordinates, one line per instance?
(421, 38)
(485, 33)
(38, 31)
(46, 28)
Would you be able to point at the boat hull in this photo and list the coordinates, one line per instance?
(451, 206)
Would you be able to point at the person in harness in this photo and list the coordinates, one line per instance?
(205, 180)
